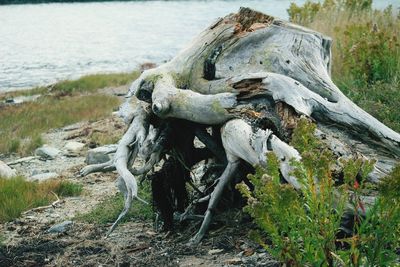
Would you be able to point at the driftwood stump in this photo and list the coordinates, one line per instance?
(240, 87)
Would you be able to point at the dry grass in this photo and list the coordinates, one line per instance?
(365, 51)
(21, 126)
(18, 195)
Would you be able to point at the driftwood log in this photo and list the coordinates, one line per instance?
(240, 87)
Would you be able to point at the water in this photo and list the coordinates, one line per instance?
(40, 44)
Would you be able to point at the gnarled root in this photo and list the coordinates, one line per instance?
(126, 152)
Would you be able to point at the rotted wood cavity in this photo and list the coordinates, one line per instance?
(249, 20)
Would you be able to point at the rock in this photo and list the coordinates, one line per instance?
(74, 147)
(61, 227)
(47, 152)
(6, 171)
(215, 251)
(96, 158)
(100, 154)
(43, 176)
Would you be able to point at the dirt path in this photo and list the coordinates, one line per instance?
(28, 242)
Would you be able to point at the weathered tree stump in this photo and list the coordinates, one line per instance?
(249, 77)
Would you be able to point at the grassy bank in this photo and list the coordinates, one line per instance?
(18, 195)
(63, 103)
(85, 84)
(21, 126)
(365, 51)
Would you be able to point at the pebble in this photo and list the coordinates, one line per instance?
(60, 228)
(74, 146)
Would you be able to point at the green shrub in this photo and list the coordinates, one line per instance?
(302, 227)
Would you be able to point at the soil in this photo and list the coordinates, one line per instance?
(135, 243)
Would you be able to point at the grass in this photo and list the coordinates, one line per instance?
(21, 126)
(18, 195)
(365, 51)
(85, 84)
(108, 210)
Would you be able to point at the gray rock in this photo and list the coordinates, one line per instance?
(74, 147)
(96, 158)
(43, 176)
(100, 154)
(61, 227)
(6, 171)
(47, 152)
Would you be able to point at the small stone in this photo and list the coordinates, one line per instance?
(43, 176)
(47, 152)
(96, 158)
(61, 227)
(74, 147)
(215, 251)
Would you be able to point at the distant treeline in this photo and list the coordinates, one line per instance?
(11, 2)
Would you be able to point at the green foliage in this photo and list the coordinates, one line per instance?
(302, 227)
(108, 210)
(18, 195)
(369, 53)
(366, 51)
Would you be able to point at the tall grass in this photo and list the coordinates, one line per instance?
(366, 51)
(18, 195)
(21, 126)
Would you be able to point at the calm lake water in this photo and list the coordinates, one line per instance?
(44, 43)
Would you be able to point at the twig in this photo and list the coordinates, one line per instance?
(52, 205)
